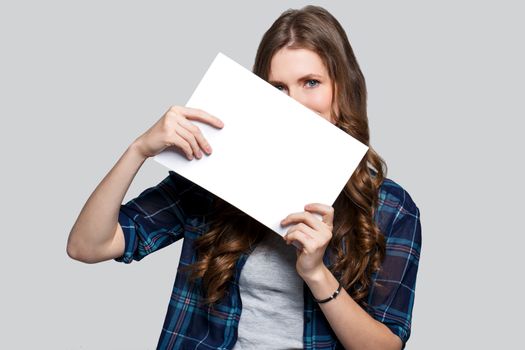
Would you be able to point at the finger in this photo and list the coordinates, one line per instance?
(183, 145)
(305, 217)
(319, 238)
(302, 238)
(190, 138)
(327, 212)
(303, 228)
(197, 134)
(202, 116)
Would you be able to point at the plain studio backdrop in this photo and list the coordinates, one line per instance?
(80, 81)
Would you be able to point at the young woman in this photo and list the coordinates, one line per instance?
(239, 285)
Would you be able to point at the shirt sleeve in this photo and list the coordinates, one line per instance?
(157, 217)
(392, 296)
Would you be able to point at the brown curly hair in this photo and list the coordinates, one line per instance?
(357, 247)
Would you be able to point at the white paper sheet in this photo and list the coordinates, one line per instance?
(273, 155)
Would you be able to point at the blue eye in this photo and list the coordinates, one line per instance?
(312, 80)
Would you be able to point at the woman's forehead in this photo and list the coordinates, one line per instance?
(294, 63)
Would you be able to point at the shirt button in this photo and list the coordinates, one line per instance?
(307, 319)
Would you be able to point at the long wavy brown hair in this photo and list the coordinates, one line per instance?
(357, 247)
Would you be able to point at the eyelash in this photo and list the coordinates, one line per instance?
(317, 81)
(307, 81)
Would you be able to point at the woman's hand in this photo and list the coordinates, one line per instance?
(175, 129)
(313, 234)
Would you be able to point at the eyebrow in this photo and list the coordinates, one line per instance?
(308, 76)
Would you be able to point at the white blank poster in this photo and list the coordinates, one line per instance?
(273, 155)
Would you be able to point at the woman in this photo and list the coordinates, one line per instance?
(239, 286)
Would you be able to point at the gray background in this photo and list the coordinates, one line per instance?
(80, 81)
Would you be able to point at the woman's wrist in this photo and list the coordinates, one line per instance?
(136, 150)
(317, 275)
(320, 279)
(331, 297)
(322, 283)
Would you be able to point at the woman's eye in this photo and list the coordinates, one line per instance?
(310, 81)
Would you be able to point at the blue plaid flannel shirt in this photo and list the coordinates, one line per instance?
(177, 208)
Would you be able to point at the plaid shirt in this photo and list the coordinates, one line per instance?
(177, 208)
